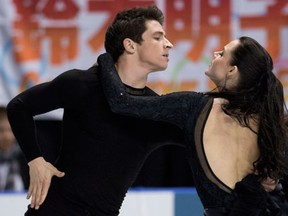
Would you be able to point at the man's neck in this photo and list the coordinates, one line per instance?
(132, 76)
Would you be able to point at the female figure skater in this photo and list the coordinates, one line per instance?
(235, 136)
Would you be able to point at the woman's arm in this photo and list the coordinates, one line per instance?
(174, 108)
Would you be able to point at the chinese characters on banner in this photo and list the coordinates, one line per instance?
(43, 38)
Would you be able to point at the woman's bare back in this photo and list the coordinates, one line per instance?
(230, 148)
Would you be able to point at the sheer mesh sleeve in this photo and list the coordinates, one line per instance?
(174, 107)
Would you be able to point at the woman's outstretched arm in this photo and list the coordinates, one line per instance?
(174, 107)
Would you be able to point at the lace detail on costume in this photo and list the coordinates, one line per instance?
(176, 108)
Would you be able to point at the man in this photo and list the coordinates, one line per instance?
(101, 152)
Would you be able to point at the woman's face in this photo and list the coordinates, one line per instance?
(220, 67)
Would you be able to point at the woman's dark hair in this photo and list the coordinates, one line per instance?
(259, 96)
(130, 23)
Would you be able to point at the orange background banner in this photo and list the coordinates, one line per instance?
(42, 38)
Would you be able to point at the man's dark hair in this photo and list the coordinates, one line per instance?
(129, 23)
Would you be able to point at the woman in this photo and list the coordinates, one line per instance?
(235, 136)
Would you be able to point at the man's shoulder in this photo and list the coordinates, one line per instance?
(79, 74)
(78, 71)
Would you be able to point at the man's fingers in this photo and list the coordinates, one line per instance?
(41, 173)
(38, 194)
(56, 172)
(33, 198)
(44, 192)
(29, 193)
(59, 173)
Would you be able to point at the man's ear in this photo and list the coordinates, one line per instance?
(129, 45)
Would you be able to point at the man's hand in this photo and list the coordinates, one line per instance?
(269, 184)
(41, 173)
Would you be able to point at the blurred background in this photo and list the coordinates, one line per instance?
(39, 39)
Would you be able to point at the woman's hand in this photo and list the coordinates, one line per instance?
(269, 184)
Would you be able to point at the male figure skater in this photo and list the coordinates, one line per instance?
(101, 152)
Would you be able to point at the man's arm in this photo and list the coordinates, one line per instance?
(21, 111)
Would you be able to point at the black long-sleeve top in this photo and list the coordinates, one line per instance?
(101, 152)
(189, 111)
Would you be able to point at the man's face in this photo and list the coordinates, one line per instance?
(153, 52)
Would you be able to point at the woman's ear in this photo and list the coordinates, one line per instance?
(129, 45)
(233, 74)
(233, 69)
